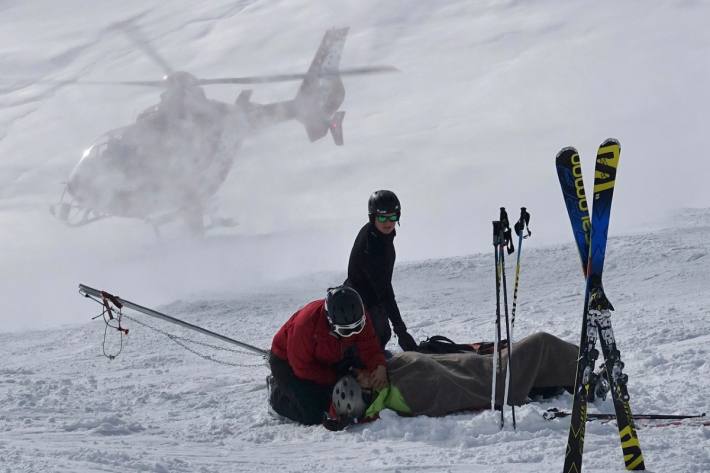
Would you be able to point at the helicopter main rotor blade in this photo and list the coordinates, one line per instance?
(353, 71)
(366, 70)
(136, 36)
(145, 83)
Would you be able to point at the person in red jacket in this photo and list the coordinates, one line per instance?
(321, 342)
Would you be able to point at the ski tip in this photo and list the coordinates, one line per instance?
(609, 142)
(566, 151)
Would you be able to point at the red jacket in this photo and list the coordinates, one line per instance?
(306, 342)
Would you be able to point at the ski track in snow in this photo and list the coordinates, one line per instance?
(159, 408)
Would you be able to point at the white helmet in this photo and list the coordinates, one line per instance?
(347, 398)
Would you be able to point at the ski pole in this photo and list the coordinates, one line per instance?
(521, 224)
(496, 336)
(507, 241)
(554, 413)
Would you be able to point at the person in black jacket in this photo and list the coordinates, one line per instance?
(370, 268)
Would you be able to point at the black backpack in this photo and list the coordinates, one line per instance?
(438, 344)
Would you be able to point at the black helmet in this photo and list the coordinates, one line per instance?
(383, 202)
(345, 311)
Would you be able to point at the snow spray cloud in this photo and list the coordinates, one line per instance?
(487, 95)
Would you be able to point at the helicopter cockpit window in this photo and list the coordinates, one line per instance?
(95, 150)
(127, 152)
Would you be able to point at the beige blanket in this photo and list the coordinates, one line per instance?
(437, 385)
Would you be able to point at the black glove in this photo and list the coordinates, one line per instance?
(406, 341)
(336, 424)
(349, 362)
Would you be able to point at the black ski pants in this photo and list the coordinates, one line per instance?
(381, 322)
(298, 399)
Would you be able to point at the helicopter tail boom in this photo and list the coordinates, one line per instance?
(322, 92)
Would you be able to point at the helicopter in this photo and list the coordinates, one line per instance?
(169, 163)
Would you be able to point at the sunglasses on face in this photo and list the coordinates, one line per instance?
(350, 330)
(385, 218)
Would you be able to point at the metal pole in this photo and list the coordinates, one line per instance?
(497, 361)
(506, 241)
(90, 291)
(520, 226)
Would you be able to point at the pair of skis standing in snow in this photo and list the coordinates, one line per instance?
(591, 239)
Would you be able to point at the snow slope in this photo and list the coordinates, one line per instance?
(157, 407)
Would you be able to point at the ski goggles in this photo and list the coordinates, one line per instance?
(351, 329)
(385, 218)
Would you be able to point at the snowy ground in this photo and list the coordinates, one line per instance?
(157, 407)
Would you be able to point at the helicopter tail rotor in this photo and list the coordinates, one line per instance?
(336, 128)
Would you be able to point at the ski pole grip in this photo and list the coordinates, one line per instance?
(523, 223)
(525, 216)
(497, 232)
(504, 218)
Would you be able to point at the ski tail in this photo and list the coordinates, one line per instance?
(569, 172)
(604, 180)
(578, 421)
(630, 446)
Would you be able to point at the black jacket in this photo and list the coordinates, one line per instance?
(370, 272)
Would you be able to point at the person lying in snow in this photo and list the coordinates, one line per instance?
(315, 347)
(437, 385)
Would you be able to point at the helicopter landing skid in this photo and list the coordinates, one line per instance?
(74, 215)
